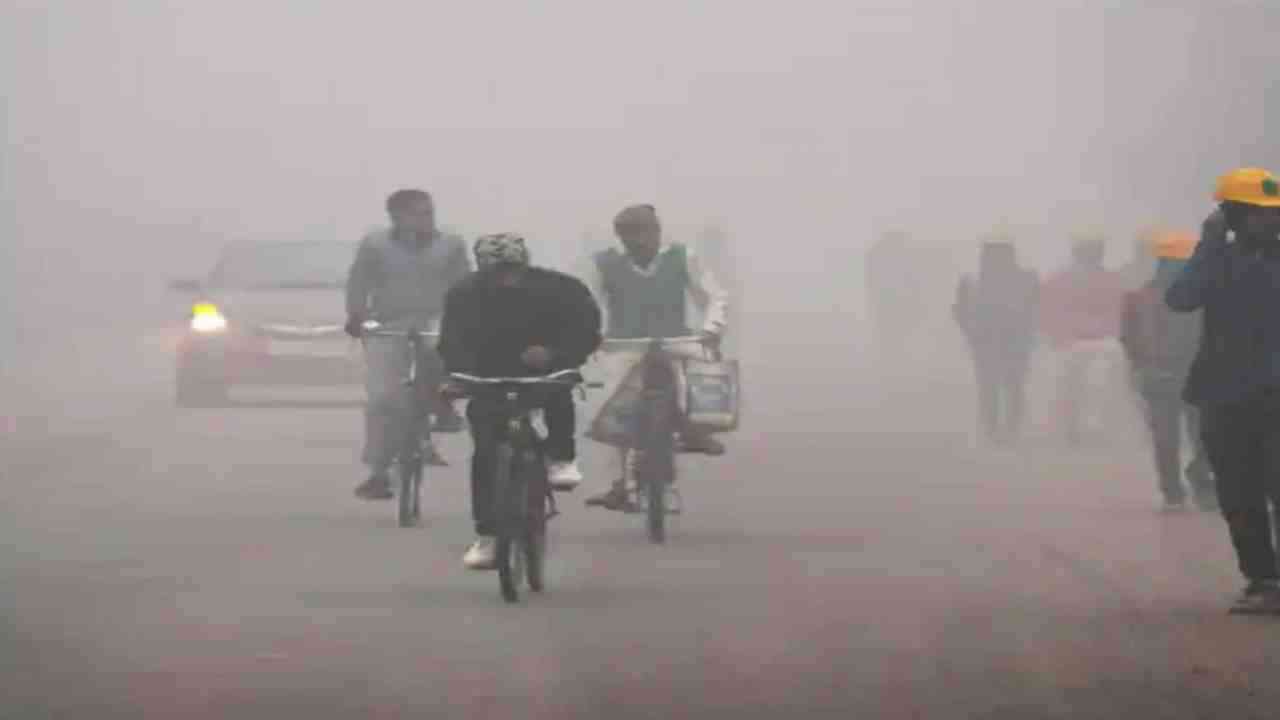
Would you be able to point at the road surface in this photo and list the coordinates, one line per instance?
(852, 557)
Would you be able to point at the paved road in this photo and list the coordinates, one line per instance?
(853, 557)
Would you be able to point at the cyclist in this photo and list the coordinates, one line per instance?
(645, 287)
(510, 319)
(399, 277)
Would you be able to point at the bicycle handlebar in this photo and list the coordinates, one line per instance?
(647, 341)
(560, 377)
(374, 328)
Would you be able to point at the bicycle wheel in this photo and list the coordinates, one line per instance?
(655, 465)
(506, 516)
(417, 492)
(410, 471)
(535, 555)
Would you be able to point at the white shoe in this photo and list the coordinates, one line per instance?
(480, 556)
(564, 476)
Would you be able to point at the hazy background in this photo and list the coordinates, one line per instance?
(141, 135)
(853, 555)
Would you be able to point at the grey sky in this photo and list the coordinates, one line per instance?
(827, 121)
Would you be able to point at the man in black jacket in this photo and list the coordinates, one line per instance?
(996, 311)
(509, 319)
(1235, 377)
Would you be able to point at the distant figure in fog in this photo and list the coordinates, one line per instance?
(895, 302)
(1235, 378)
(1080, 314)
(1136, 274)
(1160, 346)
(996, 311)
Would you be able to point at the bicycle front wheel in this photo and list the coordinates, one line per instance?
(534, 546)
(656, 467)
(506, 513)
(410, 483)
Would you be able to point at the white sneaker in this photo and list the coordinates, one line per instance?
(480, 556)
(564, 476)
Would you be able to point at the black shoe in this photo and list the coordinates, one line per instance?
(377, 487)
(1261, 597)
(448, 422)
(700, 443)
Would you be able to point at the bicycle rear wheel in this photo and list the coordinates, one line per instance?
(409, 500)
(505, 557)
(535, 555)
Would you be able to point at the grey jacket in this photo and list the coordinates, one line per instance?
(400, 283)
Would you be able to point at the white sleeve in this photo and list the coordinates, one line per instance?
(589, 272)
(708, 293)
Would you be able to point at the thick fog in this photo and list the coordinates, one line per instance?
(142, 136)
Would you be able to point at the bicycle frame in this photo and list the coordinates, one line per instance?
(523, 500)
(650, 459)
(410, 459)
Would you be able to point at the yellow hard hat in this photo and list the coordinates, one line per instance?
(1249, 186)
(1174, 244)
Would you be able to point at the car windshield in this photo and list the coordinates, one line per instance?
(282, 266)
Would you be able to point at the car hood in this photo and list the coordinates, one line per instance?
(301, 313)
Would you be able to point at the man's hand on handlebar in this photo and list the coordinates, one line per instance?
(712, 342)
(354, 327)
(451, 391)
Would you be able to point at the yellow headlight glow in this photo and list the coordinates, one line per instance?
(206, 318)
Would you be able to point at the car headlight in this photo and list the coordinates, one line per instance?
(207, 318)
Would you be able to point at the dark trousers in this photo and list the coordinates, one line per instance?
(484, 418)
(1243, 443)
(1001, 379)
(1167, 415)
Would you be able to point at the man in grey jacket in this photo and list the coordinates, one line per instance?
(399, 278)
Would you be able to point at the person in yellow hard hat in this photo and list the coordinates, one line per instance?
(1234, 278)
(1136, 273)
(1160, 346)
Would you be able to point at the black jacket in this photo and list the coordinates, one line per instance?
(486, 327)
(1239, 291)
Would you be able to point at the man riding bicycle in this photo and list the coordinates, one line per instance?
(510, 319)
(399, 278)
(645, 288)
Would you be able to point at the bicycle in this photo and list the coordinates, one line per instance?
(523, 498)
(412, 456)
(649, 454)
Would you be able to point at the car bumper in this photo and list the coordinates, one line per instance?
(255, 361)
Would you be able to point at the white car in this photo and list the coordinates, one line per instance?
(269, 313)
